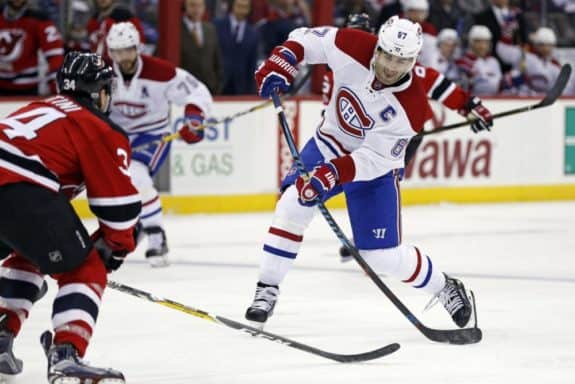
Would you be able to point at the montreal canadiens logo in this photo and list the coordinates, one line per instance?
(351, 115)
(131, 110)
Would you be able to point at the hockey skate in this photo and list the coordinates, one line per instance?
(456, 301)
(263, 305)
(157, 253)
(9, 364)
(66, 367)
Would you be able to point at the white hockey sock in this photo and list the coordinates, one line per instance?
(408, 264)
(283, 240)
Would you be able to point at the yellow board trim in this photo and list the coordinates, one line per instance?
(265, 202)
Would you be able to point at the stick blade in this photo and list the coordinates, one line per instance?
(558, 87)
(366, 356)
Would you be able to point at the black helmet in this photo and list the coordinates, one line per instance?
(359, 21)
(84, 74)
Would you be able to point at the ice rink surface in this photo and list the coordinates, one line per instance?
(518, 258)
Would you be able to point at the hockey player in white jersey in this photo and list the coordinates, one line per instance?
(534, 71)
(379, 102)
(145, 87)
(481, 71)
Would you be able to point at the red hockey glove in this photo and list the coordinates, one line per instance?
(278, 71)
(113, 258)
(194, 118)
(483, 119)
(321, 180)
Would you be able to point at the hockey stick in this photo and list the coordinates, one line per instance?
(371, 355)
(549, 99)
(295, 89)
(453, 336)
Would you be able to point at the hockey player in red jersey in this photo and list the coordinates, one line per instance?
(24, 32)
(379, 102)
(145, 89)
(50, 150)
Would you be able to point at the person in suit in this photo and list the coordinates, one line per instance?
(504, 22)
(200, 46)
(239, 42)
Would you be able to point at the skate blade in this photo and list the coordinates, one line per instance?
(158, 261)
(77, 380)
(256, 324)
(8, 366)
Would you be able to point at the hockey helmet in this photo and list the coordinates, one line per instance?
(123, 35)
(359, 21)
(479, 32)
(400, 37)
(84, 74)
(544, 36)
(447, 34)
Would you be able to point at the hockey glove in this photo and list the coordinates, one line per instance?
(482, 117)
(194, 118)
(113, 259)
(320, 181)
(278, 71)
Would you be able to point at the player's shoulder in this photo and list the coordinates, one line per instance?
(154, 68)
(357, 44)
(414, 101)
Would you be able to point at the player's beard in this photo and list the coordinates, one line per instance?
(128, 67)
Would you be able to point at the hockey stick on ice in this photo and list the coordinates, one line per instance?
(454, 336)
(371, 355)
(295, 89)
(549, 99)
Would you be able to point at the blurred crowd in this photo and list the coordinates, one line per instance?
(490, 47)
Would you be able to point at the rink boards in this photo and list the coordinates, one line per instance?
(237, 168)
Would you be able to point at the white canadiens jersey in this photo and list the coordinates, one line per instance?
(142, 105)
(372, 126)
(483, 74)
(540, 73)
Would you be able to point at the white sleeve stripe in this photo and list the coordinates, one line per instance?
(447, 93)
(111, 201)
(54, 52)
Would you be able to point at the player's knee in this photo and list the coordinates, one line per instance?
(384, 260)
(91, 271)
(289, 212)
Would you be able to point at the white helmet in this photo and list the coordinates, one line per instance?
(544, 36)
(400, 37)
(416, 5)
(447, 34)
(123, 35)
(479, 32)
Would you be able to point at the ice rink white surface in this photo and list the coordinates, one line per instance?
(518, 258)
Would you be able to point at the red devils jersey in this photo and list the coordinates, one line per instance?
(63, 145)
(99, 26)
(20, 40)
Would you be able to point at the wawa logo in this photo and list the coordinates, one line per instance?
(11, 44)
(131, 110)
(351, 115)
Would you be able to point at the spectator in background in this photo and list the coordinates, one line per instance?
(23, 33)
(447, 51)
(345, 8)
(534, 71)
(388, 9)
(76, 38)
(504, 22)
(284, 17)
(239, 42)
(446, 14)
(201, 55)
(108, 13)
(417, 11)
(482, 73)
